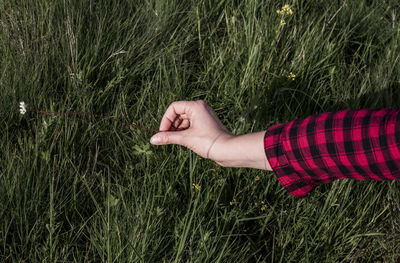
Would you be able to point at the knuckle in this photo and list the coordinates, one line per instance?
(173, 104)
(201, 102)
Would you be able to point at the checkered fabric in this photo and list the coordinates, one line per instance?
(359, 144)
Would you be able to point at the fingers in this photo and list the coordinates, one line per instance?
(177, 122)
(184, 125)
(169, 137)
(177, 109)
(180, 124)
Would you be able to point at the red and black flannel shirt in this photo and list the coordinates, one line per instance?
(359, 144)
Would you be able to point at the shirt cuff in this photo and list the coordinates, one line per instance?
(292, 181)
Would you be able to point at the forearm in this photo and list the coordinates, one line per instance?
(242, 151)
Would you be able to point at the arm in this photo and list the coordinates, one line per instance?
(358, 144)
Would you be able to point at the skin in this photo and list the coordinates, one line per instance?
(194, 124)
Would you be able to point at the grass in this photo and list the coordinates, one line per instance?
(81, 189)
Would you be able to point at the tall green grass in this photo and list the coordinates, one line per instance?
(82, 189)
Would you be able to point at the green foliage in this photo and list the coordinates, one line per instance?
(144, 149)
(80, 189)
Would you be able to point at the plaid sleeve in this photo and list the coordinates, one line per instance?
(359, 144)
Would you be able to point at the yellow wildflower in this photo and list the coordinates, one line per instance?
(263, 206)
(232, 202)
(197, 187)
(291, 76)
(283, 22)
(286, 10)
(257, 178)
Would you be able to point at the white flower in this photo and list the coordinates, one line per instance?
(22, 107)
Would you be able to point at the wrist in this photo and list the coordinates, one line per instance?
(216, 152)
(241, 151)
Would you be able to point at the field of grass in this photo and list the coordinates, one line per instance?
(84, 189)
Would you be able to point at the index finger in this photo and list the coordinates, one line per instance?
(176, 109)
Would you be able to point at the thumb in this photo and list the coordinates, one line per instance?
(169, 137)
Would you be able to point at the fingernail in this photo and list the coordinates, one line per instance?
(155, 140)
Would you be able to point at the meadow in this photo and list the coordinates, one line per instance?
(76, 188)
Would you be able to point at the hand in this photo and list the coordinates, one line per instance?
(193, 124)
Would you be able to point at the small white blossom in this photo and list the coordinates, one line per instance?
(22, 107)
